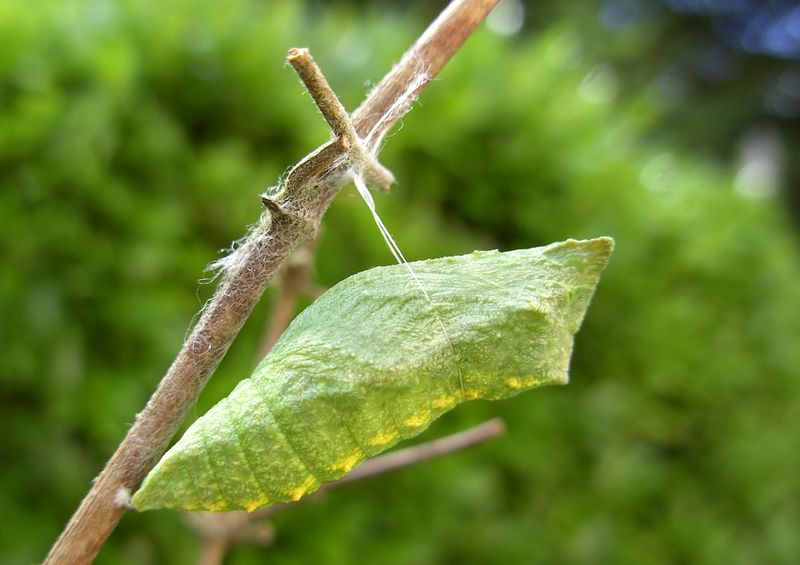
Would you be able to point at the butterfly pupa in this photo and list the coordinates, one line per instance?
(368, 365)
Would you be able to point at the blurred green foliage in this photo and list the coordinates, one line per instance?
(134, 140)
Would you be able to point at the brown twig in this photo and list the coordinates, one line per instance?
(334, 113)
(293, 216)
(295, 281)
(417, 453)
(212, 552)
(230, 525)
(220, 530)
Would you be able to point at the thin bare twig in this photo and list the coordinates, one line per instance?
(423, 452)
(213, 551)
(293, 216)
(334, 113)
(221, 530)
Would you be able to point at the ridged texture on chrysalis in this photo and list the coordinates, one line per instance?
(372, 362)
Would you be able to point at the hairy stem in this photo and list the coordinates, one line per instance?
(295, 281)
(293, 216)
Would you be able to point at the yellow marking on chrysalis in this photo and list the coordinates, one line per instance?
(346, 464)
(257, 503)
(304, 487)
(517, 383)
(417, 420)
(217, 506)
(514, 382)
(471, 394)
(383, 439)
(444, 402)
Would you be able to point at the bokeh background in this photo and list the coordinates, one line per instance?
(134, 141)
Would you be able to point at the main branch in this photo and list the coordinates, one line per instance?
(293, 215)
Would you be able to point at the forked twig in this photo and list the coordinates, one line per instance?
(334, 113)
(293, 216)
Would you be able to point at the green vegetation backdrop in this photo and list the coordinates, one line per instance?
(134, 141)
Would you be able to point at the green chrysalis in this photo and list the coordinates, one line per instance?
(374, 361)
